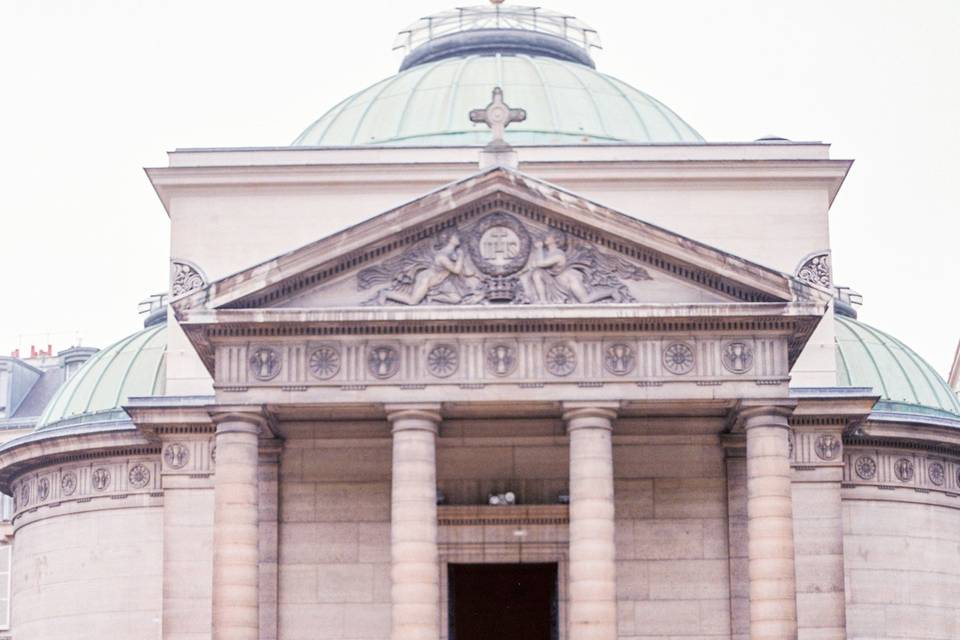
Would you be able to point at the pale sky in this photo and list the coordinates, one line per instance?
(93, 91)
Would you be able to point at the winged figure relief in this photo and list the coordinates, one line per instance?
(430, 272)
(558, 273)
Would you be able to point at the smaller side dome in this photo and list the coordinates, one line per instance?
(95, 395)
(905, 382)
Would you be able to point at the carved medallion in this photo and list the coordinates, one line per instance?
(790, 444)
(443, 360)
(324, 362)
(678, 358)
(100, 479)
(43, 489)
(68, 483)
(560, 359)
(383, 361)
(737, 357)
(499, 245)
(866, 467)
(184, 279)
(618, 359)
(265, 363)
(501, 359)
(827, 446)
(24, 495)
(903, 468)
(176, 455)
(936, 473)
(816, 270)
(139, 476)
(213, 450)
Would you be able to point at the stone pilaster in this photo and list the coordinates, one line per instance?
(413, 534)
(592, 589)
(236, 526)
(773, 597)
(269, 537)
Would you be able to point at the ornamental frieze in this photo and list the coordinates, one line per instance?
(490, 359)
(500, 260)
(105, 477)
(893, 469)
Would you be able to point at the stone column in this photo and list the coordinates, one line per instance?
(773, 597)
(592, 586)
(413, 530)
(235, 527)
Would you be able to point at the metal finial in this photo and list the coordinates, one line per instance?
(498, 116)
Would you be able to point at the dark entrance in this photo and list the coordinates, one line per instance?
(503, 601)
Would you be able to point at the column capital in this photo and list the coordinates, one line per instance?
(590, 414)
(423, 416)
(239, 420)
(772, 413)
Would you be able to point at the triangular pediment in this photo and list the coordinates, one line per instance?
(498, 237)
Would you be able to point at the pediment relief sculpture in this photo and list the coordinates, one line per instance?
(499, 260)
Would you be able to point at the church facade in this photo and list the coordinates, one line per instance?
(549, 368)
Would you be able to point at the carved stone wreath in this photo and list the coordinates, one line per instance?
(678, 358)
(383, 361)
(139, 476)
(737, 357)
(265, 363)
(501, 359)
(816, 270)
(443, 360)
(903, 468)
(827, 446)
(324, 362)
(68, 483)
(24, 495)
(176, 455)
(100, 479)
(619, 359)
(866, 467)
(499, 245)
(560, 359)
(43, 489)
(936, 473)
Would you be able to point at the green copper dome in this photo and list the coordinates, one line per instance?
(566, 103)
(905, 382)
(133, 366)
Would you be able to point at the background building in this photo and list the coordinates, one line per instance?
(556, 297)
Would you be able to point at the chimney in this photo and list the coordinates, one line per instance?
(15, 353)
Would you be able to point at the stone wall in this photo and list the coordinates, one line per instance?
(93, 574)
(901, 521)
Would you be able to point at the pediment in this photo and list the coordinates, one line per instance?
(498, 238)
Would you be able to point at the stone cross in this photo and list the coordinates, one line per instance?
(497, 115)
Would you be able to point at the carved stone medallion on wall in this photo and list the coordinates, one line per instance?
(827, 446)
(324, 362)
(24, 495)
(903, 468)
(176, 455)
(100, 479)
(185, 278)
(866, 467)
(501, 358)
(816, 270)
(443, 360)
(936, 473)
(265, 363)
(737, 357)
(500, 260)
(619, 359)
(560, 359)
(678, 358)
(68, 483)
(383, 361)
(139, 476)
(43, 489)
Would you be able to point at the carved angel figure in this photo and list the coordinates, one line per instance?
(432, 273)
(579, 273)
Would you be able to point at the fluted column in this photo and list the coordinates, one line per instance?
(235, 527)
(413, 529)
(773, 597)
(592, 586)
